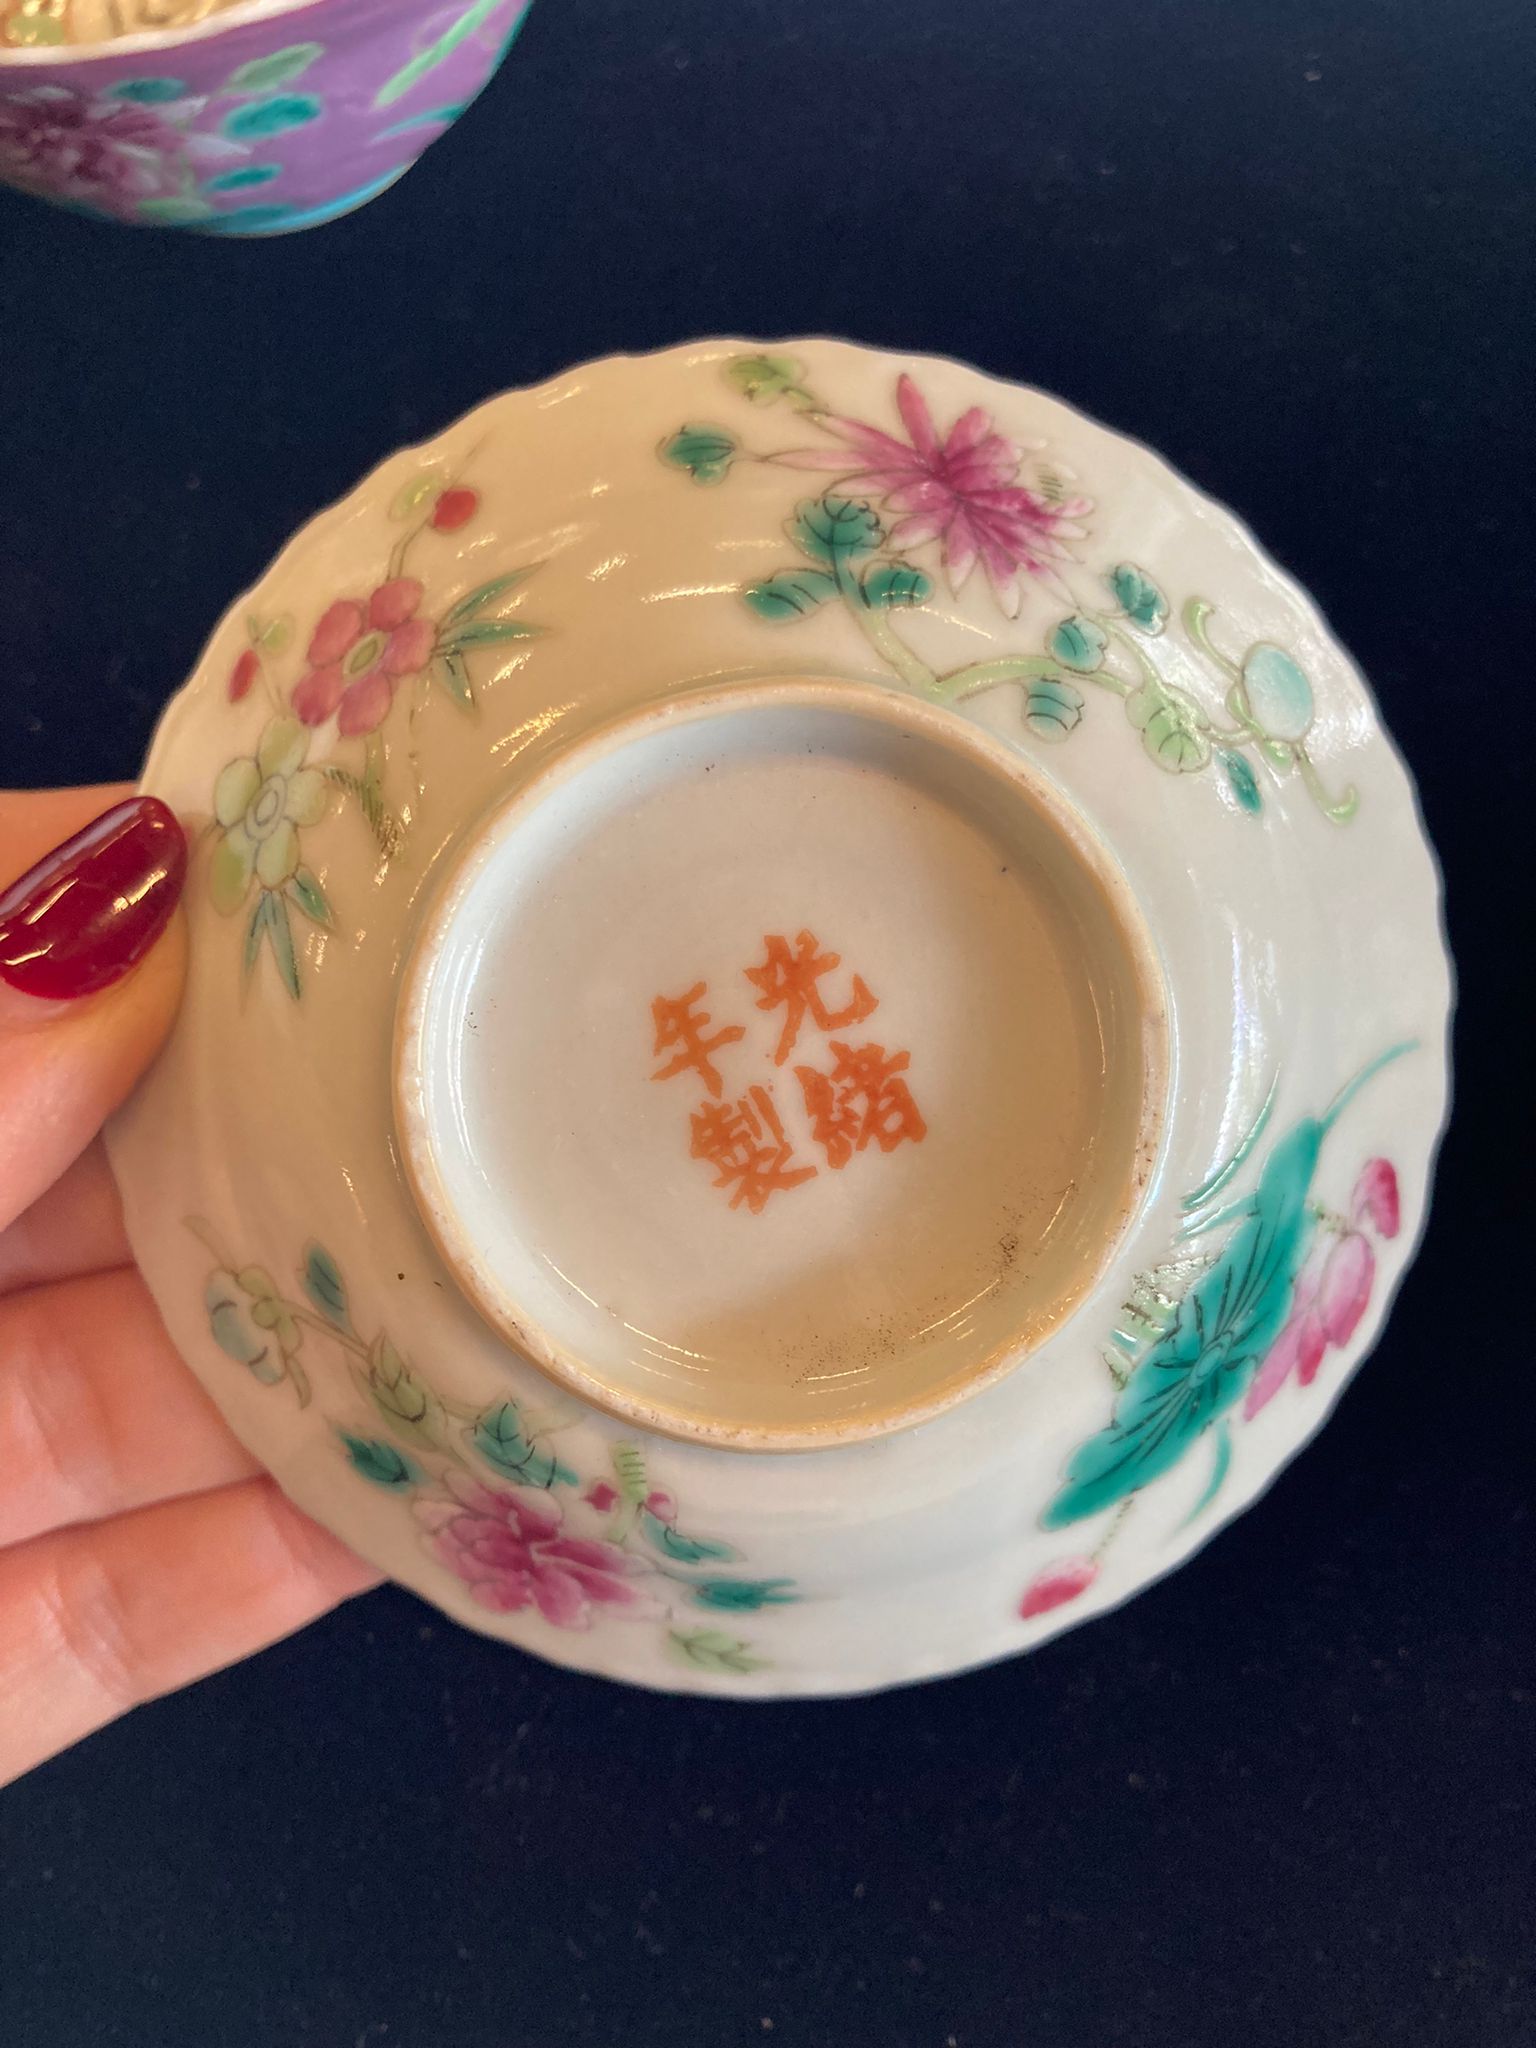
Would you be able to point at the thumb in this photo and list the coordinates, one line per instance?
(90, 969)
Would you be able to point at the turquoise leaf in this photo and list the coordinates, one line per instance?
(147, 92)
(1138, 596)
(246, 175)
(1052, 709)
(890, 584)
(1243, 781)
(380, 1462)
(1224, 1326)
(272, 116)
(684, 1549)
(832, 529)
(1279, 695)
(1079, 643)
(743, 1596)
(790, 594)
(500, 1439)
(325, 1287)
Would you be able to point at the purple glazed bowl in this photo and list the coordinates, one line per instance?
(276, 114)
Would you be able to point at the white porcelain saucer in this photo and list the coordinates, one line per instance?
(816, 1027)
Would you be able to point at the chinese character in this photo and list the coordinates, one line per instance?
(863, 1098)
(679, 1023)
(791, 978)
(745, 1142)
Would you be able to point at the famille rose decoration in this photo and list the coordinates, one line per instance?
(816, 1026)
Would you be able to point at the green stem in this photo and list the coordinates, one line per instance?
(300, 1379)
(1194, 616)
(880, 634)
(1340, 809)
(327, 1329)
(961, 683)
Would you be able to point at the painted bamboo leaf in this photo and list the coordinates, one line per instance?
(310, 897)
(473, 17)
(452, 672)
(487, 632)
(280, 935)
(476, 601)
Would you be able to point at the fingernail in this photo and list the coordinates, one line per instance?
(91, 909)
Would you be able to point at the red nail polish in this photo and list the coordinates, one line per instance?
(94, 906)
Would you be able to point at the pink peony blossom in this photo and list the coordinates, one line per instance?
(102, 152)
(602, 1496)
(961, 490)
(1056, 1585)
(508, 1550)
(358, 654)
(1376, 1197)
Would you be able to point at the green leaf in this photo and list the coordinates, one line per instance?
(1171, 725)
(382, 822)
(1203, 1364)
(174, 213)
(486, 632)
(236, 1333)
(743, 1596)
(712, 1650)
(499, 1438)
(244, 176)
(146, 92)
(407, 1403)
(1279, 695)
(791, 593)
(1052, 709)
(1244, 783)
(452, 672)
(476, 600)
(891, 584)
(833, 529)
(310, 897)
(460, 31)
(380, 1462)
(324, 1286)
(1138, 596)
(416, 493)
(263, 73)
(765, 379)
(432, 117)
(705, 452)
(684, 1549)
(1079, 643)
(280, 937)
(629, 1470)
(254, 932)
(258, 119)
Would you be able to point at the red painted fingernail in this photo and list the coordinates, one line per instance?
(93, 907)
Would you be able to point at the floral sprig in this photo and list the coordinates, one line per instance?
(359, 653)
(495, 1502)
(1209, 1334)
(978, 499)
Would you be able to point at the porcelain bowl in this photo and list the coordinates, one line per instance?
(816, 1026)
(265, 117)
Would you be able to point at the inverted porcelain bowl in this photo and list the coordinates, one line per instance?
(816, 1025)
(262, 117)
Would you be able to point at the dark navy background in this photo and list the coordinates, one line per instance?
(1285, 1798)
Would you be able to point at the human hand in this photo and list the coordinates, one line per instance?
(140, 1546)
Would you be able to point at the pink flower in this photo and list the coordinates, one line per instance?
(99, 151)
(358, 653)
(961, 490)
(508, 1550)
(602, 1496)
(1376, 1197)
(1332, 1293)
(1345, 1289)
(1056, 1585)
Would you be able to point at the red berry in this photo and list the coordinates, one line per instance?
(243, 674)
(453, 508)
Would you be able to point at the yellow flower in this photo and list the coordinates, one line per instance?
(261, 800)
